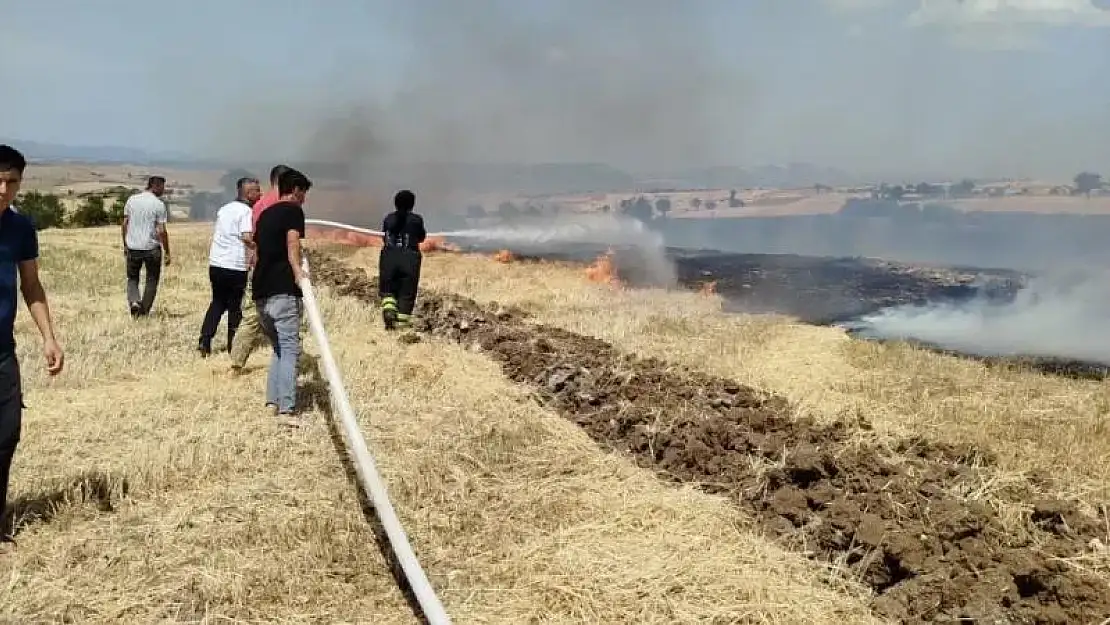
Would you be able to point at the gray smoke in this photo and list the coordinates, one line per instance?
(1057, 316)
(626, 82)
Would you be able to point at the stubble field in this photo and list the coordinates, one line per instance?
(558, 451)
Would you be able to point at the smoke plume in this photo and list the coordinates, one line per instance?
(626, 82)
(642, 250)
(1054, 316)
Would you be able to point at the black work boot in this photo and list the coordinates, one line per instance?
(389, 317)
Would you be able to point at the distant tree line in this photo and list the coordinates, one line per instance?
(204, 204)
(1084, 183)
(102, 208)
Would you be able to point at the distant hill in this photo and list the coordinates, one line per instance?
(772, 176)
(538, 178)
(547, 178)
(57, 152)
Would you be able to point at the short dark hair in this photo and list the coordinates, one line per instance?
(244, 181)
(404, 200)
(155, 180)
(277, 171)
(12, 159)
(290, 180)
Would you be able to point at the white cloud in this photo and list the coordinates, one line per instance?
(990, 24)
(963, 13)
(855, 5)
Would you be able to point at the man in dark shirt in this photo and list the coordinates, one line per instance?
(19, 253)
(399, 262)
(276, 289)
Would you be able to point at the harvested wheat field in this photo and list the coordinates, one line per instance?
(149, 487)
(947, 488)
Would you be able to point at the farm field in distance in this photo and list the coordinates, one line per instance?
(558, 450)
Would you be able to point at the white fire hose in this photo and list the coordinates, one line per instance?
(343, 226)
(365, 467)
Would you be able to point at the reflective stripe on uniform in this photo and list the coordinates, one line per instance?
(389, 303)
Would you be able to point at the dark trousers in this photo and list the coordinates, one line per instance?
(11, 420)
(399, 277)
(151, 260)
(228, 288)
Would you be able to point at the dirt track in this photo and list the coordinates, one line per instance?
(890, 515)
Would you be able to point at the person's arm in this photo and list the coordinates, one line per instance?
(34, 296)
(163, 233)
(246, 230)
(246, 235)
(293, 234)
(418, 229)
(126, 222)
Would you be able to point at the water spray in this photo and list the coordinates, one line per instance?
(585, 236)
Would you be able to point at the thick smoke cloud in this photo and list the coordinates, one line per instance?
(1058, 315)
(630, 83)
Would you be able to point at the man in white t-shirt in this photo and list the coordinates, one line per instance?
(228, 263)
(146, 244)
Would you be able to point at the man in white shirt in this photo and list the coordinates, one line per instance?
(228, 263)
(145, 243)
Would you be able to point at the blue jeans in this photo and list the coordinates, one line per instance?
(280, 318)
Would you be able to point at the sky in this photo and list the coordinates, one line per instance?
(941, 87)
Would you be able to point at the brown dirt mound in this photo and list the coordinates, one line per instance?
(890, 515)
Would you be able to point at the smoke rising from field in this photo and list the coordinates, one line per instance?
(627, 82)
(1059, 315)
(554, 234)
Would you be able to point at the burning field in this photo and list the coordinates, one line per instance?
(939, 528)
(869, 298)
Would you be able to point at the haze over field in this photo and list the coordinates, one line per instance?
(876, 88)
(957, 88)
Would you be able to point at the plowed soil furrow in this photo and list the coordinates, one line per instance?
(891, 516)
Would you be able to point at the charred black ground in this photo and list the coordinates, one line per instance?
(835, 291)
(887, 514)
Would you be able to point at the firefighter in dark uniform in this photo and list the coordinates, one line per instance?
(399, 263)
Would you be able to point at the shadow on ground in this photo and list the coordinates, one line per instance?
(103, 490)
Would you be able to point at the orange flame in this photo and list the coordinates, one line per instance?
(708, 289)
(437, 244)
(504, 256)
(602, 270)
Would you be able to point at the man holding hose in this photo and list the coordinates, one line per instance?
(399, 263)
(277, 292)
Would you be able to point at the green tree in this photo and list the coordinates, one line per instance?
(91, 213)
(963, 188)
(227, 181)
(115, 211)
(44, 209)
(1086, 182)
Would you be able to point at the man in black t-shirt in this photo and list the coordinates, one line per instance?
(276, 289)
